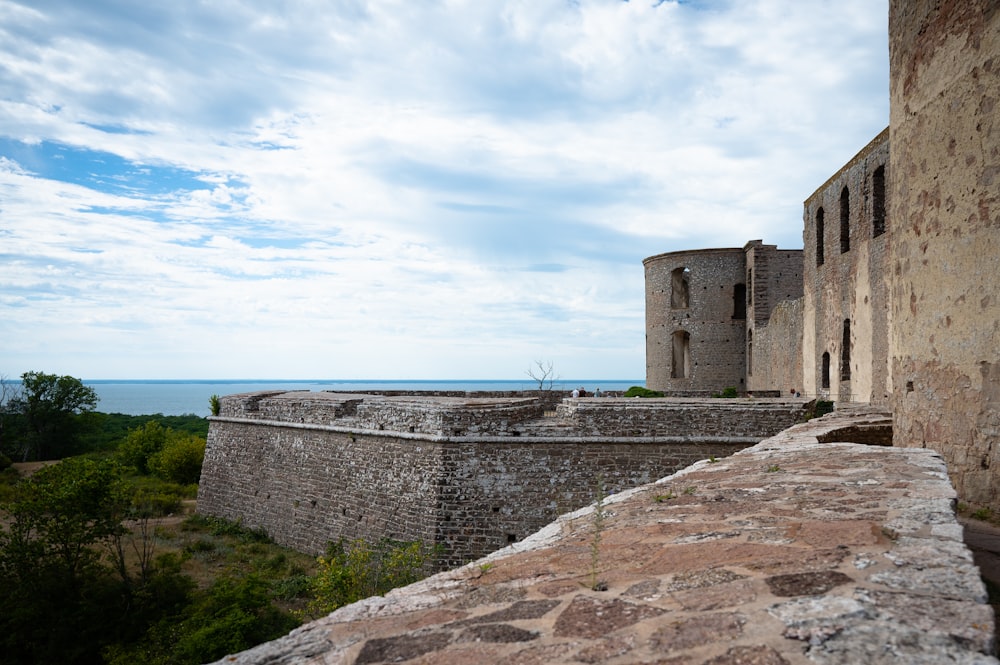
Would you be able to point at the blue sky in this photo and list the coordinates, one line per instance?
(448, 189)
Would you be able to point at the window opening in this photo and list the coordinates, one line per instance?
(878, 201)
(826, 371)
(845, 352)
(681, 366)
(740, 301)
(845, 220)
(820, 229)
(680, 293)
(749, 352)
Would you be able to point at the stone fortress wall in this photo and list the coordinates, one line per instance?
(845, 308)
(900, 299)
(469, 474)
(703, 310)
(944, 244)
(695, 321)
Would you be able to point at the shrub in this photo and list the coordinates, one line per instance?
(180, 459)
(348, 573)
(639, 391)
(142, 443)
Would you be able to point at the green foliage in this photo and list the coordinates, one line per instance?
(141, 444)
(59, 513)
(727, 393)
(78, 587)
(214, 405)
(598, 517)
(57, 592)
(110, 428)
(220, 527)
(983, 514)
(44, 419)
(173, 456)
(639, 391)
(233, 614)
(180, 459)
(351, 572)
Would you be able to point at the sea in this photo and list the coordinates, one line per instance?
(179, 397)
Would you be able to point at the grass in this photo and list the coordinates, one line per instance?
(209, 547)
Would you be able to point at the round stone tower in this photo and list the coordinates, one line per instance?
(696, 341)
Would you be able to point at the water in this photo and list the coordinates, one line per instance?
(177, 398)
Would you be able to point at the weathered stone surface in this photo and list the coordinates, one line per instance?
(469, 474)
(880, 596)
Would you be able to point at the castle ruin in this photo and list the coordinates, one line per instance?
(894, 300)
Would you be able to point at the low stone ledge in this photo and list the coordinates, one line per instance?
(792, 551)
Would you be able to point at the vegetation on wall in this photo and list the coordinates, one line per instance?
(639, 391)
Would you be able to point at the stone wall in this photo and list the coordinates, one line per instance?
(846, 281)
(945, 190)
(791, 551)
(778, 345)
(307, 485)
(712, 315)
(472, 475)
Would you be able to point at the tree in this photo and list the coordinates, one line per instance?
(50, 407)
(180, 458)
(543, 373)
(53, 588)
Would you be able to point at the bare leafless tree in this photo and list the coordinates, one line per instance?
(543, 373)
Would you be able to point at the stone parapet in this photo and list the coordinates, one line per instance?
(468, 474)
(791, 551)
(692, 417)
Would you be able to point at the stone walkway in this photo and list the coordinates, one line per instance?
(792, 551)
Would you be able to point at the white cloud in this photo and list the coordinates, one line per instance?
(392, 189)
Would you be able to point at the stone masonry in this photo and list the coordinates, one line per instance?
(806, 548)
(469, 474)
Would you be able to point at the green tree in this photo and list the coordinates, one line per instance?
(62, 602)
(180, 459)
(53, 589)
(141, 444)
(50, 408)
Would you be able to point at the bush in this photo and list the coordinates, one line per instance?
(728, 393)
(639, 391)
(349, 573)
(180, 459)
(141, 444)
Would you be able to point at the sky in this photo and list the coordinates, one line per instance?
(390, 189)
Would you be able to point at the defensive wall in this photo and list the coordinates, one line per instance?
(944, 350)
(846, 300)
(703, 310)
(696, 321)
(806, 548)
(471, 474)
(901, 286)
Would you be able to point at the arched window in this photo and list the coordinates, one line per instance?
(740, 301)
(681, 366)
(878, 201)
(749, 352)
(826, 371)
(680, 290)
(820, 230)
(845, 220)
(845, 352)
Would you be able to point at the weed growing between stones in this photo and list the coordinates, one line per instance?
(595, 543)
